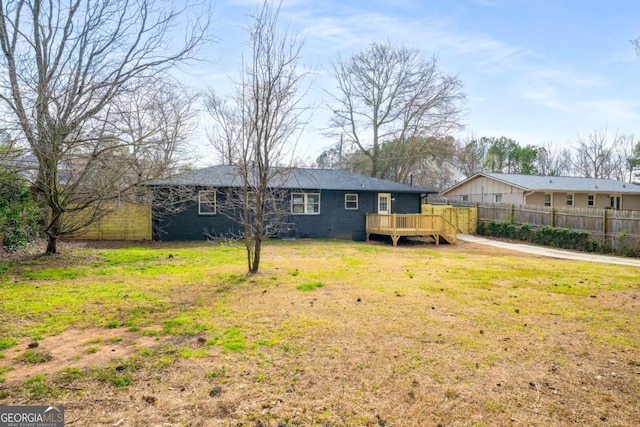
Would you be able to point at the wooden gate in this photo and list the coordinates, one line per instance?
(464, 218)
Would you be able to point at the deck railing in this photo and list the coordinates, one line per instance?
(397, 225)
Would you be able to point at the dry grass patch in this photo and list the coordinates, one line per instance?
(414, 335)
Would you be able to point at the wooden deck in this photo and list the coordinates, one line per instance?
(398, 225)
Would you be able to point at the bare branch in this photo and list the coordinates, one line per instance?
(255, 129)
(70, 72)
(386, 93)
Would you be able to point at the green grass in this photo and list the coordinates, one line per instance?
(6, 343)
(456, 322)
(308, 287)
(216, 373)
(34, 357)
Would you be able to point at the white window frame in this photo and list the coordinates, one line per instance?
(570, 199)
(305, 205)
(591, 199)
(212, 209)
(353, 202)
(497, 198)
(464, 198)
(548, 200)
(615, 201)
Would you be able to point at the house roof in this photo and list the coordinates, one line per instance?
(556, 183)
(295, 178)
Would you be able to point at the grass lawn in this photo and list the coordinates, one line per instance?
(328, 334)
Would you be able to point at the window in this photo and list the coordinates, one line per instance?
(547, 199)
(615, 202)
(351, 202)
(498, 198)
(207, 202)
(591, 200)
(465, 198)
(305, 203)
(569, 199)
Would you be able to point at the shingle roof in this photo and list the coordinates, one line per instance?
(563, 183)
(295, 178)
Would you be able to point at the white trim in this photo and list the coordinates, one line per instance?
(573, 201)
(212, 209)
(387, 198)
(356, 201)
(305, 203)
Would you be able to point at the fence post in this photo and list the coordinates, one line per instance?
(511, 218)
(553, 217)
(604, 226)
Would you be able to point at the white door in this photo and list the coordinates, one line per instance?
(384, 203)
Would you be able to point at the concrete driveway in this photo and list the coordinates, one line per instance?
(550, 252)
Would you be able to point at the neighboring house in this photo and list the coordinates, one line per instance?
(318, 203)
(553, 191)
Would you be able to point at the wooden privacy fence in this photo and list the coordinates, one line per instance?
(126, 221)
(615, 227)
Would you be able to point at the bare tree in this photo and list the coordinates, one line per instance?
(9, 149)
(225, 136)
(66, 69)
(156, 123)
(625, 161)
(256, 126)
(594, 157)
(471, 155)
(388, 93)
(553, 161)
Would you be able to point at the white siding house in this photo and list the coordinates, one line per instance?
(554, 191)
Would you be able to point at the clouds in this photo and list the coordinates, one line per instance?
(534, 71)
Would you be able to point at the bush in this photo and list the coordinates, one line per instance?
(19, 215)
(525, 232)
(547, 236)
(481, 229)
(562, 238)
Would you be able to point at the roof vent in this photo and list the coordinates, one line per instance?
(596, 186)
(624, 185)
(551, 181)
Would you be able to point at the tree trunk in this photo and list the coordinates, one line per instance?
(52, 245)
(53, 231)
(256, 257)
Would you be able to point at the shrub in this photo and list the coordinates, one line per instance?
(547, 236)
(19, 215)
(481, 229)
(525, 232)
(562, 238)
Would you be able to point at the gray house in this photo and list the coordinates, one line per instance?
(317, 203)
(553, 191)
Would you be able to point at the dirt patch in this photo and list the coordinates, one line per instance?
(89, 348)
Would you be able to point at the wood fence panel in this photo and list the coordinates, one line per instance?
(126, 222)
(624, 222)
(579, 219)
(522, 214)
(465, 219)
(618, 228)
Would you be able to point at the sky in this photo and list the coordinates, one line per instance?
(536, 71)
